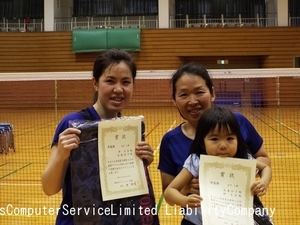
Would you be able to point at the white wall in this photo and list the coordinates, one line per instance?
(283, 12)
(49, 13)
(163, 13)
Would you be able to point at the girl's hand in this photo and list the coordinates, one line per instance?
(144, 151)
(67, 141)
(193, 201)
(259, 188)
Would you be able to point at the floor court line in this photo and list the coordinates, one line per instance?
(20, 180)
(3, 164)
(46, 146)
(268, 124)
(152, 129)
(20, 184)
(161, 198)
(15, 171)
(157, 148)
(172, 126)
(283, 124)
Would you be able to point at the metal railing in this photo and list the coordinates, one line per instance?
(105, 22)
(69, 24)
(20, 25)
(294, 21)
(224, 22)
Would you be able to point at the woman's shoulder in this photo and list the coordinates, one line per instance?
(64, 123)
(239, 116)
(177, 131)
(72, 116)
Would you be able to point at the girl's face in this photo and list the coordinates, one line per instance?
(192, 97)
(221, 143)
(114, 88)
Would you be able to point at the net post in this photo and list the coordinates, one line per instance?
(278, 97)
(55, 101)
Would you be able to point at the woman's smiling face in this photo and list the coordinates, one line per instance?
(192, 97)
(115, 88)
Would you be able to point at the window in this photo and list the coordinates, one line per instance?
(114, 7)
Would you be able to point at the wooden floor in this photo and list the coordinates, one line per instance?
(23, 202)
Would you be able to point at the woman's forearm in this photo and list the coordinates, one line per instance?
(53, 175)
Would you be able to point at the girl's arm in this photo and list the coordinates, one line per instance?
(173, 193)
(191, 188)
(259, 187)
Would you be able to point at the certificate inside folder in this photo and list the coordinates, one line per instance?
(121, 171)
(105, 171)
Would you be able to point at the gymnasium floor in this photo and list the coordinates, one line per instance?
(21, 193)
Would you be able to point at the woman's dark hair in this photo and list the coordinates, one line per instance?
(194, 69)
(225, 120)
(110, 57)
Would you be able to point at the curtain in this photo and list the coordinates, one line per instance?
(294, 8)
(114, 7)
(214, 8)
(20, 9)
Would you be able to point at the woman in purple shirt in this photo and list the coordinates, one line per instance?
(113, 78)
(193, 93)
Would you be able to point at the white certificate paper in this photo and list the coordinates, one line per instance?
(225, 188)
(121, 171)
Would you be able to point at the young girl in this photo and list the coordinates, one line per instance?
(218, 134)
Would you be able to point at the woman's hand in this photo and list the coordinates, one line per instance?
(67, 141)
(144, 151)
(259, 188)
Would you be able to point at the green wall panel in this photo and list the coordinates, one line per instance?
(89, 40)
(98, 40)
(125, 39)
